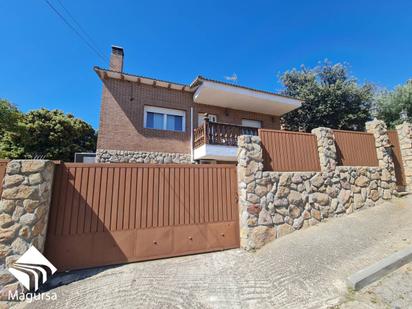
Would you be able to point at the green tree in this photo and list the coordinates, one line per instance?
(331, 98)
(391, 104)
(9, 116)
(51, 135)
(11, 128)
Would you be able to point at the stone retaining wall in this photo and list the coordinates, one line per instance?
(24, 210)
(121, 156)
(273, 204)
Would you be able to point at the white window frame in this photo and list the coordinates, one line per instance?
(252, 123)
(165, 112)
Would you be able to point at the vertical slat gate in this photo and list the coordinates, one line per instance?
(397, 158)
(355, 148)
(3, 167)
(289, 151)
(105, 214)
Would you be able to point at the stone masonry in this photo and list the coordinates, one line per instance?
(24, 209)
(273, 204)
(405, 141)
(121, 156)
(326, 148)
(383, 145)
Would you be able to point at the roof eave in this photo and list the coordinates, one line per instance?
(200, 79)
(105, 74)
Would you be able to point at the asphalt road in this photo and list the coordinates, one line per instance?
(305, 269)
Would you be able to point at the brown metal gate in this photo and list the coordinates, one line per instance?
(289, 151)
(105, 214)
(355, 148)
(3, 167)
(397, 158)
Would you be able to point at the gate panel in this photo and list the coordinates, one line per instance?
(3, 167)
(397, 158)
(286, 151)
(355, 148)
(115, 213)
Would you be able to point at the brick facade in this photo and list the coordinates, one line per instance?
(122, 112)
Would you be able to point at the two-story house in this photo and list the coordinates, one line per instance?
(150, 120)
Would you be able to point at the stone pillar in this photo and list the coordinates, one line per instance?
(326, 148)
(405, 141)
(24, 210)
(384, 153)
(256, 226)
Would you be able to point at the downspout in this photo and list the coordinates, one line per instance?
(191, 133)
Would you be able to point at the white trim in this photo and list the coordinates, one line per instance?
(164, 111)
(248, 92)
(244, 99)
(215, 152)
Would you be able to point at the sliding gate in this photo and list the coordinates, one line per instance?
(105, 214)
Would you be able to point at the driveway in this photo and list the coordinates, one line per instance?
(305, 269)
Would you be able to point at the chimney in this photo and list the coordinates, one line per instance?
(116, 59)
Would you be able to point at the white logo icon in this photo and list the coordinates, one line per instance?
(32, 269)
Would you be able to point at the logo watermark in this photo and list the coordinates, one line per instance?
(32, 270)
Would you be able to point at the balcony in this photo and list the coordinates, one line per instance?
(218, 141)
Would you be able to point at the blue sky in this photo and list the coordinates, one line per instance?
(44, 64)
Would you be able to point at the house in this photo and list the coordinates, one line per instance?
(150, 120)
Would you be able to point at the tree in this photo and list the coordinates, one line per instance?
(9, 116)
(391, 104)
(11, 127)
(331, 98)
(50, 135)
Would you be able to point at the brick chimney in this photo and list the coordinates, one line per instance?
(116, 59)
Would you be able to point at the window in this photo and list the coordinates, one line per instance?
(251, 123)
(164, 119)
(201, 118)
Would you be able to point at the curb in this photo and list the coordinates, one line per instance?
(375, 272)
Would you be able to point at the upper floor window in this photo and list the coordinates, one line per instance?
(164, 118)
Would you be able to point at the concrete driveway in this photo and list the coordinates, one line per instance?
(305, 269)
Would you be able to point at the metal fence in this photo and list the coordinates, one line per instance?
(397, 158)
(289, 151)
(355, 148)
(3, 167)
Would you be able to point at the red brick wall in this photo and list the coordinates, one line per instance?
(233, 116)
(122, 112)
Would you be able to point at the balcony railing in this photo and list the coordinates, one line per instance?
(215, 133)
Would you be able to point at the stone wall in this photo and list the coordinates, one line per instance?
(273, 204)
(405, 141)
(24, 209)
(326, 148)
(120, 156)
(383, 145)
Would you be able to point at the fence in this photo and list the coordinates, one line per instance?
(128, 212)
(289, 151)
(397, 158)
(355, 148)
(3, 166)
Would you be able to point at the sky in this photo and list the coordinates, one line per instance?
(45, 64)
